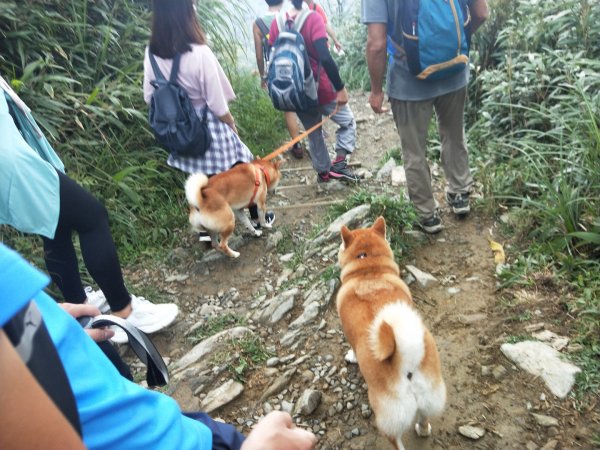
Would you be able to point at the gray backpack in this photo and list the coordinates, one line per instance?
(172, 117)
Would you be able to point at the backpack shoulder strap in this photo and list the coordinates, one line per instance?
(280, 18)
(262, 26)
(157, 73)
(175, 69)
(301, 18)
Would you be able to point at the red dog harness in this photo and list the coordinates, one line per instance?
(257, 182)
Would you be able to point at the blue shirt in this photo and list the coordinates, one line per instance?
(114, 412)
(401, 84)
(29, 186)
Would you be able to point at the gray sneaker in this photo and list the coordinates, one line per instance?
(432, 224)
(340, 171)
(459, 203)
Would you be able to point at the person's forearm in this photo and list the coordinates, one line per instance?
(228, 119)
(258, 50)
(328, 64)
(376, 56)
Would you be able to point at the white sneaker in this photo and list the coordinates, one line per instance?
(97, 299)
(148, 317)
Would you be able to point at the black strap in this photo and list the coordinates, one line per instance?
(157, 374)
(157, 73)
(174, 70)
(262, 26)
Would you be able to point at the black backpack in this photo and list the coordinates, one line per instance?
(172, 117)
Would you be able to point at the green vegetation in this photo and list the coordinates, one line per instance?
(398, 213)
(248, 353)
(216, 325)
(534, 134)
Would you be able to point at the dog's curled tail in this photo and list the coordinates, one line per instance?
(398, 328)
(193, 186)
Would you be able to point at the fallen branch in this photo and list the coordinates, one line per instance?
(307, 205)
(296, 169)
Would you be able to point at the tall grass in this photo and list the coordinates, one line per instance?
(78, 65)
(535, 137)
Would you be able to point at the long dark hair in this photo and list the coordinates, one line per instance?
(174, 28)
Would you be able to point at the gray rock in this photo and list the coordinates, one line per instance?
(545, 421)
(278, 385)
(471, 432)
(277, 307)
(308, 315)
(221, 396)
(350, 218)
(308, 402)
(209, 345)
(542, 360)
(398, 176)
(386, 169)
(556, 341)
(499, 372)
(423, 278)
(274, 239)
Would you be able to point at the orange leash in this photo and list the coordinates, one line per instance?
(298, 138)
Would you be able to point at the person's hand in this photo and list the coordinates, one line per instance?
(79, 310)
(263, 83)
(276, 431)
(342, 97)
(376, 102)
(338, 46)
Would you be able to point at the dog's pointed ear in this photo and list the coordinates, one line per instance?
(278, 162)
(379, 226)
(346, 235)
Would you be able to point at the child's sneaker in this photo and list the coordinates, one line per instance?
(269, 218)
(340, 170)
(97, 299)
(297, 151)
(432, 224)
(323, 177)
(459, 203)
(148, 317)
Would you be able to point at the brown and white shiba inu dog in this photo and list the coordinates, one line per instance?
(215, 202)
(396, 354)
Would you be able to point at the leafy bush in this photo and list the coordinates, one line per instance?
(536, 141)
(399, 215)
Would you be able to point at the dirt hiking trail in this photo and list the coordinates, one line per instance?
(292, 313)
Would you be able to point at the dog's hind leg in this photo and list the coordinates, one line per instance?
(223, 246)
(243, 218)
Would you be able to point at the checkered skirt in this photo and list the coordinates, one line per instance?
(225, 150)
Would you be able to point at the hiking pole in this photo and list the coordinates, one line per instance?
(298, 138)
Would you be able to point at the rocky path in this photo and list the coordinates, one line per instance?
(258, 307)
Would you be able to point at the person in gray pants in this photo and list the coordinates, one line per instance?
(413, 101)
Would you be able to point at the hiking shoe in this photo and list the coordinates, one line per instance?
(297, 151)
(97, 299)
(340, 171)
(147, 316)
(459, 203)
(323, 177)
(203, 236)
(269, 218)
(432, 224)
